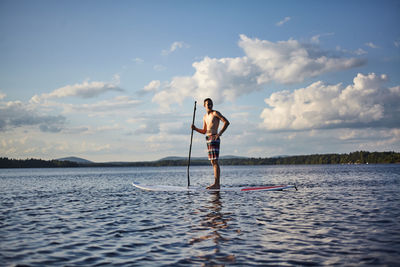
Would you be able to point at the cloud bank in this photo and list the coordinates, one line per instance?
(15, 114)
(222, 79)
(82, 90)
(365, 103)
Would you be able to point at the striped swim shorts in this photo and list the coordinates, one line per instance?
(213, 148)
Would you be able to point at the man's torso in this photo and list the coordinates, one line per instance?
(212, 122)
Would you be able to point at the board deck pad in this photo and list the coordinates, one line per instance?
(169, 188)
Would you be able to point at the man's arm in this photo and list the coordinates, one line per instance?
(224, 120)
(202, 131)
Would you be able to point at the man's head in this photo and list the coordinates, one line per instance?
(208, 104)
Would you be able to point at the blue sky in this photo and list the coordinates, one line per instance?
(116, 80)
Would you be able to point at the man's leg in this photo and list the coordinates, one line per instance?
(217, 173)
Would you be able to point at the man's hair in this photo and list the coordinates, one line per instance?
(207, 99)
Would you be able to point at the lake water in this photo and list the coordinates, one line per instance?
(340, 215)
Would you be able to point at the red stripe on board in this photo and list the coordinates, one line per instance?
(262, 187)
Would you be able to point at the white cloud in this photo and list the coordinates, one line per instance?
(138, 60)
(291, 61)
(372, 139)
(83, 90)
(152, 86)
(77, 130)
(285, 20)
(365, 103)
(12, 145)
(371, 45)
(397, 43)
(315, 38)
(259, 143)
(161, 123)
(2, 95)
(264, 61)
(219, 79)
(174, 128)
(147, 128)
(358, 52)
(15, 114)
(117, 103)
(174, 46)
(159, 67)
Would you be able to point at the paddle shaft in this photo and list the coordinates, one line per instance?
(191, 140)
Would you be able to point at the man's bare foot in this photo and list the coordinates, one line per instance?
(214, 186)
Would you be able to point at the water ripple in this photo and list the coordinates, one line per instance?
(341, 215)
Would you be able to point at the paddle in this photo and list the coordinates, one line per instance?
(191, 140)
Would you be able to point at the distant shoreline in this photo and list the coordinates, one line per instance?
(358, 157)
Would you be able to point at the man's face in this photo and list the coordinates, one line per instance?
(208, 105)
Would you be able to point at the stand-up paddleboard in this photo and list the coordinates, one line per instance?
(193, 188)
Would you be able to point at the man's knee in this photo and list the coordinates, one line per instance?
(214, 162)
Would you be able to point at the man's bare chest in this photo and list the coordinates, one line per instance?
(211, 120)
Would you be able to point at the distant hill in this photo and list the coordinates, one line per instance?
(172, 158)
(75, 159)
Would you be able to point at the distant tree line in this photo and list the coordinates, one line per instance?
(358, 157)
(35, 163)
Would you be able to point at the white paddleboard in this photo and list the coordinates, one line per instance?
(192, 188)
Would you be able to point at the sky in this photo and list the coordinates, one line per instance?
(117, 80)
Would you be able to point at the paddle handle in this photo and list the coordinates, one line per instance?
(190, 148)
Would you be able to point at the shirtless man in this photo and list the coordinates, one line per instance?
(210, 128)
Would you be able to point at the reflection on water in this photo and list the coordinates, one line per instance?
(210, 229)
